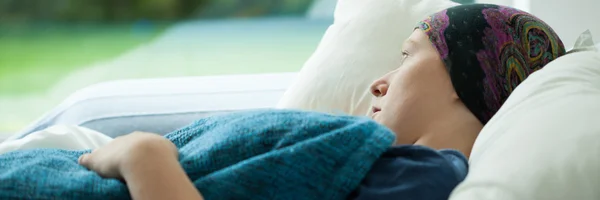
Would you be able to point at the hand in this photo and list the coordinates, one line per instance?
(120, 156)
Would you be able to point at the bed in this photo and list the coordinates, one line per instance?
(162, 105)
(541, 145)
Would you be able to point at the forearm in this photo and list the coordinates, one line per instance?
(160, 178)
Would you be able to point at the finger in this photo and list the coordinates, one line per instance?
(84, 159)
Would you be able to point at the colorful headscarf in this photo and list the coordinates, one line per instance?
(488, 50)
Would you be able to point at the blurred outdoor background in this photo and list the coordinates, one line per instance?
(51, 48)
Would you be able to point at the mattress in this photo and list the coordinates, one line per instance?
(162, 105)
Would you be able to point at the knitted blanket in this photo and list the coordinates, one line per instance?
(262, 154)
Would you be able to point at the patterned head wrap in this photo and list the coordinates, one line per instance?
(488, 50)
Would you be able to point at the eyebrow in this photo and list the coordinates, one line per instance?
(409, 43)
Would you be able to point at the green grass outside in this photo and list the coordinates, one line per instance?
(32, 59)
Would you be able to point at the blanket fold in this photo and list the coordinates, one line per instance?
(262, 154)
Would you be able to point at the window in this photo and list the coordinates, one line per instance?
(53, 48)
(464, 1)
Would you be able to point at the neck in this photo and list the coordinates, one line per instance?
(456, 129)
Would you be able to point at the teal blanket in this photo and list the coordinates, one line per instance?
(264, 154)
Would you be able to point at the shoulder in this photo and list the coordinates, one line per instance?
(439, 164)
(447, 161)
(414, 171)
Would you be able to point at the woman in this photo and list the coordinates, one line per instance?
(459, 67)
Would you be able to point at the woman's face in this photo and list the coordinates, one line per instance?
(417, 92)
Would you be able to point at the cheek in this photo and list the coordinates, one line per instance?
(418, 90)
(403, 98)
(412, 84)
(402, 116)
(430, 81)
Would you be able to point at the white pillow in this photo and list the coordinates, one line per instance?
(363, 44)
(585, 42)
(544, 143)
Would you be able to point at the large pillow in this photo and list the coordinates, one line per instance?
(363, 44)
(544, 143)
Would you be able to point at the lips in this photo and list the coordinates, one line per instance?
(375, 109)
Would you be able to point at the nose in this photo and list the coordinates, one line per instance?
(379, 87)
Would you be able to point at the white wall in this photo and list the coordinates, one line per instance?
(569, 18)
(497, 2)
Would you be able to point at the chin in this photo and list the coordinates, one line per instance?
(375, 117)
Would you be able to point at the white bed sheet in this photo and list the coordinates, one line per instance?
(58, 137)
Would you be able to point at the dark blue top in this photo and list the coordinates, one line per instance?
(413, 172)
